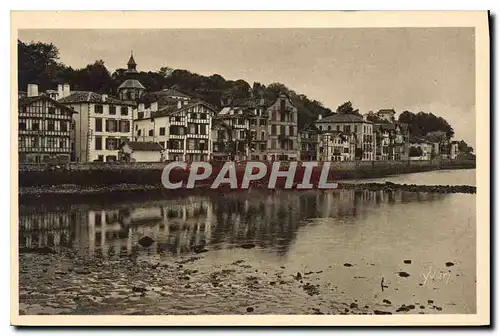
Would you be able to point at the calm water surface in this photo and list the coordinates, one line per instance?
(438, 177)
(345, 240)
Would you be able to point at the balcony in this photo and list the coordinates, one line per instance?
(197, 136)
(177, 136)
(198, 121)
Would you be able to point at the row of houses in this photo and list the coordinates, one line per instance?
(137, 125)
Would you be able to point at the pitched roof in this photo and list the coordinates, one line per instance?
(131, 84)
(91, 97)
(25, 101)
(415, 139)
(173, 93)
(173, 109)
(163, 98)
(386, 111)
(144, 146)
(386, 126)
(343, 118)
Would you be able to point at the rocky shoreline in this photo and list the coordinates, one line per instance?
(65, 283)
(66, 190)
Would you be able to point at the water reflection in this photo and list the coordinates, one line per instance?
(268, 220)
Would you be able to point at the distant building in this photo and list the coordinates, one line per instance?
(262, 130)
(454, 150)
(308, 143)
(131, 90)
(223, 144)
(422, 147)
(283, 144)
(101, 125)
(352, 123)
(44, 129)
(183, 129)
(132, 151)
(336, 146)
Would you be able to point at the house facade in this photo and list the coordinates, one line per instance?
(420, 149)
(336, 146)
(102, 123)
(308, 143)
(183, 129)
(283, 144)
(131, 151)
(352, 124)
(45, 129)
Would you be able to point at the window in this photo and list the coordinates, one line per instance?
(242, 135)
(110, 158)
(111, 144)
(355, 128)
(282, 130)
(124, 126)
(282, 105)
(291, 131)
(262, 135)
(98, 124)
(64, 126)
(124, 111)
(203, 129)
(98, 143)
(263, 122)
(51, 110)
(139, 132)
(262, 146)
(253, 122)
(329, 127)
(140, 115)
(162, 130)
(347, 128)
(98, 109)
(111, 125)
(112, 109)
(151, 132)
(50, 125)
(62, 143)
(203, 116)
(35, 126)
(273, 144)
(273, 130)
(193, 116)
(346, 150)
(338, 128)
(22, 125)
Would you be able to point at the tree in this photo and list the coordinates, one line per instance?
(37, 64)
(415, 151)
(436, 136)
(346, 108)
(422, 123)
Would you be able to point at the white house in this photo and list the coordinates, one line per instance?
(133, 151)
(423, 147)
(183, 129)
(101, 125)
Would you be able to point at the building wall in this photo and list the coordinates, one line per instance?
(44, 133)
(283, 133)
(88, 134)
(146, 156)
(196, 130)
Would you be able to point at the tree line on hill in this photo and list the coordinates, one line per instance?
(38, 62)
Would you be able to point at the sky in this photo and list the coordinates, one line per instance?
(414, 69)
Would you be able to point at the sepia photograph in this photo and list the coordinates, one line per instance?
(181, 165)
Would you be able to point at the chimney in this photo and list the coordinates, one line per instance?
(59, 91)
(365, 117)
(66, 90)
(104, 98)
(179, 104)
(32, 90)
(154, 106)
(319, 117)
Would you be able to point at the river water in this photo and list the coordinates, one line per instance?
(357, 252)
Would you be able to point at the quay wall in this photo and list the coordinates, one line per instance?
(98, 173)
